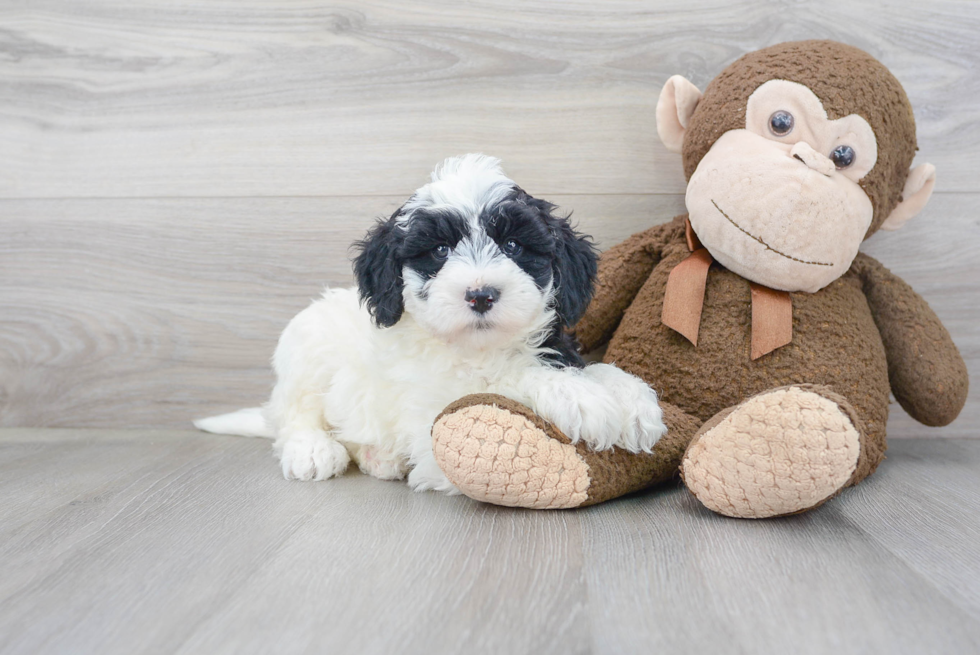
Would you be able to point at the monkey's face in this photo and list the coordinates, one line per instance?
(778, 202)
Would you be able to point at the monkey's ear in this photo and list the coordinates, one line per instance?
(915, 195)
(677, 101)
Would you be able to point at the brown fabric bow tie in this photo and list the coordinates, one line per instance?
(772, 310)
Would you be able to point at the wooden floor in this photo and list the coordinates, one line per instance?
(178, 542)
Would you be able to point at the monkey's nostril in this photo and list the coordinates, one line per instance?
(812, 159)
(481, 300)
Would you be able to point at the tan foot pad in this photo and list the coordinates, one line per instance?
(496, 451)
(778, 453)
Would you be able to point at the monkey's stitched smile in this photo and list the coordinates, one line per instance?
(768, 247)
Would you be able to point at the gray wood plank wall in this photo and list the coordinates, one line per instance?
(179, 178)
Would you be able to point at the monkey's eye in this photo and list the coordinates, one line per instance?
(781, 123)
(441, 251)
(511, 248)
(842, 156)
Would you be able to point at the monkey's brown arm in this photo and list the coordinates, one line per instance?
(622, 271)
(925, 369)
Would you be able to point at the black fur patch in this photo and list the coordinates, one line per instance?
(515, 218)
(430, 228)
(566, 350)
(378, 271)
(552, 250)
(576, 266)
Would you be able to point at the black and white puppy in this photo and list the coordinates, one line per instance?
(465, 289)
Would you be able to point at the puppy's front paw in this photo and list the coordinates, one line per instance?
(427, 476)
(580, 407)
(643, 424)
(312, 456)
(639, 412)
(381, 464)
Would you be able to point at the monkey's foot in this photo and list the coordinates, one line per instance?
(498, 451)
(781, 452)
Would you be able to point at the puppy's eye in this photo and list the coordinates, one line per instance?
(511, 248)
(781, 123)
(441, 251)
(843, 156)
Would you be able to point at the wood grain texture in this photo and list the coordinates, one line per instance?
(153, 541)
(198, 169)
(111, 98)
(872, 571)
(180, 178)
(128, 313)
(152, 312)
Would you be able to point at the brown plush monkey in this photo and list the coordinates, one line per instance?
(772, 341)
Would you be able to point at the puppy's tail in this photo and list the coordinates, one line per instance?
(243, 423)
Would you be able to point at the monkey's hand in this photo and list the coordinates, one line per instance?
(622, 271)
(926, 371)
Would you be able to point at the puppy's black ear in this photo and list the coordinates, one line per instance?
(575, 266)
(378, 270)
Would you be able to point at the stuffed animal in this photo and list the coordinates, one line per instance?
(772, 341)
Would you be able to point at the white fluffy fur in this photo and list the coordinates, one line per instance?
(467, 183)
(347, 388)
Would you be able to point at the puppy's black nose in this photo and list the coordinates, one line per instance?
(481, 300)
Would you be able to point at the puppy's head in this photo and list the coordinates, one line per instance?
(476, 260)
